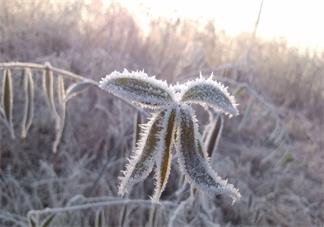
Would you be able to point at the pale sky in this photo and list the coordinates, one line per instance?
(300, 22)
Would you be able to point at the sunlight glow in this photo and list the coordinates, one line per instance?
(297, 21)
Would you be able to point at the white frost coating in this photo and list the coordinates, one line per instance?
(192, 163)
(141, 163)
(139, 88)
(175, 116)
(167, 136)
(209, 92)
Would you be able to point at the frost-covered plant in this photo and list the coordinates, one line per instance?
(172, 126)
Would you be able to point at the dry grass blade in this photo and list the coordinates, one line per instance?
(163, 164)
(76, 89)
(29, 102)
(123, 220)
(48, 220)
(7, 99)
(215, 135)
(48, 86)
(59, 128)
(247, 113)
(32, 221)
(2, 113)
(153, 218)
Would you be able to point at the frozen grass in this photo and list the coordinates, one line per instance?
(273, 151)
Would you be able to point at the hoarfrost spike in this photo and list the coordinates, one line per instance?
(192, 161)
(139, 88)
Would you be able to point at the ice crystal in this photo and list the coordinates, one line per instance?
(174, 125)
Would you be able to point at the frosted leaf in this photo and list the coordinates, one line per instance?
(142, 162)
(163, 160)
(209, 92)
(138, 87)
(192, 160)
(175, 125)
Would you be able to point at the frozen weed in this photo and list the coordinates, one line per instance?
(173, 125)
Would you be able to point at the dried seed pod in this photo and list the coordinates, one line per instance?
(60, 89)
(61, 112)
(2, 113)
(215, 135)
(7, 99)
(29, 102)
(59, 129)
(7, 94)
(48, 87)
(100, 218)
(61, 97)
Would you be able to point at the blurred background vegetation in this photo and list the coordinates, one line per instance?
(281, 180)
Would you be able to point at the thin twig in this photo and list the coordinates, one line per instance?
(145, 203)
